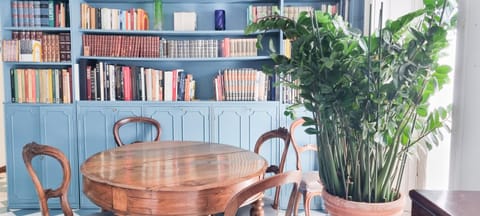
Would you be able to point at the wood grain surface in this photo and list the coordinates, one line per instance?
(169, 177)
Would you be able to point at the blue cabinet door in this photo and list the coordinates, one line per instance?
(241, 124)
(22, 125)
(58, 129)
(50, 125)
(181, 122)
(95, 133)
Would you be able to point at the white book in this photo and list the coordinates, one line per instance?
(168, 85)
(184, 21)
(76, 82)
(148, 84)
(155, 86)
(101, 82)
(256, 93)
(56, 80)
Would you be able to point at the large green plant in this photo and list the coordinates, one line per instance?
(368, 95)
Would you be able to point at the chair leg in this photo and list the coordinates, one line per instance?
(297, 203)
(306, 203)
(276, 198)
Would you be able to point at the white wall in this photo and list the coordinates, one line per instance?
(465, 174)
(391, 10)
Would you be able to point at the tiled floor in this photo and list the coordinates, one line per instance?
(4, 212)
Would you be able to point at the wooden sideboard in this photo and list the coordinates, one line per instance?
(440, 203)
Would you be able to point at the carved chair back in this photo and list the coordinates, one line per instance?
(135, 119)
(282, 134)
(33, 149)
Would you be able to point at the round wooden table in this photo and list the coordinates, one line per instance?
(169, 177)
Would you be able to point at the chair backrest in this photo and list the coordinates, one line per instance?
(279, 133)
(33, 149)
(300, 148)
(290, 177)
(135, 119)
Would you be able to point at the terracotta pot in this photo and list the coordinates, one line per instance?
(337, 206)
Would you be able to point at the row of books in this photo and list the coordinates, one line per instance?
(112, 82)
(30, 85)
(255, 12)
(39, 13)
(238, 47)
(293, 12)
(121, 45)
(290, 95)
(113, 19)
(243, 84)
(259, 11)
(156, 47)
(38, 47)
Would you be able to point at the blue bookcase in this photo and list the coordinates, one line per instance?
(81, 128)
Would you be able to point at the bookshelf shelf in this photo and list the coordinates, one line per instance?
(208, 33)
(176, 103)
(101, 58)
(38, 63)
(183, 1)
(43, 29)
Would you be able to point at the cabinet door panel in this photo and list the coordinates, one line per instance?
(45, 125)
(58, 130)
(229, 125)
(242, 125)
(22, 126)
(95, 134)
(181, 123)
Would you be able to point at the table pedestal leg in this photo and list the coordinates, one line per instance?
(257, 207)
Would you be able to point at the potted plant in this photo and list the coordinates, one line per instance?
(368, 95)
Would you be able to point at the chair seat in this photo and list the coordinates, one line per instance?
(311, 182)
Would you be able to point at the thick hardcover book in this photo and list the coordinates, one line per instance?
(127, 83)
(21, 14)
(65, 45)
(181, 85)
(119, 82)
(44, 14)
(36, 13)
(134, 70)
(51, 13)
(14, 13)
(13, 92)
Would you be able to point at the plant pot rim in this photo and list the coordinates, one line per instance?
(399, 201)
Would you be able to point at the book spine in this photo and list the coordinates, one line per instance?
(65, 45)
(13, 91)
(20, 13)
(51, 13)
(37, 14)
(14, 8)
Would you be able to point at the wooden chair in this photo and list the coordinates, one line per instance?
(136, 119)
(290, 177)
(33, 149)
(310, 186)
(283, 134)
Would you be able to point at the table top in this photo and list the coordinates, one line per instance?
(439, 202)
(177, 168)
